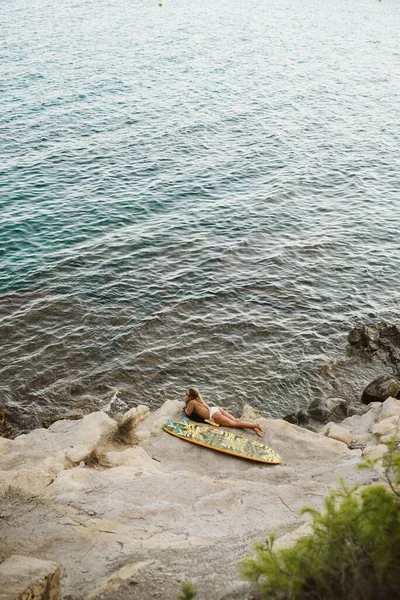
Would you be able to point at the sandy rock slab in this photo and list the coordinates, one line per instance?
(28, 578)
(137, 520)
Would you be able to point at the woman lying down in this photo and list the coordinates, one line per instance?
(196, 407)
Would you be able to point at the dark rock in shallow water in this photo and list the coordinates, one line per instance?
(321, 411)
(5, 427)
(382, 387)
(292, 418)
(379, 339)
(48, 421)
(355, 336)
(328, 409)
(300, 418)
(357, 410)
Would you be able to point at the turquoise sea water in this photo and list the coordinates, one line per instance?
(199, 193)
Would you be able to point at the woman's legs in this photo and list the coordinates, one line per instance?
(232, 418)
(224, 412)
(229, 421)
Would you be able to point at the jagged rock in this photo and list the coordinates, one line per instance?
(114, 582)
(5, 427)
(291, 418)
(287, 540)
(356, 410)
(356, 445)
(31, 482)
(355, 336)
(66, 434)
(380, 389)
(363, 335)
(171, 409)
(320, 410)
(378, 339)
(326, 409)
(68, 416)
(300, 418)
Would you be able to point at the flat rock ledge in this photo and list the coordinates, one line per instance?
(135, 521)
(28, 578)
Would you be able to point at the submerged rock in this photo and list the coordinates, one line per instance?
(378, 339)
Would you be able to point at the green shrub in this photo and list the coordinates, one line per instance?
(353, 552)
(188, 591)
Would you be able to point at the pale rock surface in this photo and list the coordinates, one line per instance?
(387, 427)
(393, 435)
(127, 573)
(135, 458)
(67, 434)
(358, 424)
(336, 432)
(78, 453)
(287, 540)
(390, 408)
(364, 439)
(161, 512)
(250, 414)
(375, 452)
(171, 409)
(31, 482)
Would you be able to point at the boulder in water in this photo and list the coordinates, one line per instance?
(328, 409)
(300, 418)
(379, 339)
(320, 410)
(381, 388)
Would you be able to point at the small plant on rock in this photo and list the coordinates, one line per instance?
(188, 591)
(96, 458)
(353, 552)
(124, 433)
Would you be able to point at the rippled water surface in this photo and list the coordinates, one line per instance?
(199, 193)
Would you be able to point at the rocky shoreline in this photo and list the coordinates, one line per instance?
(368, 341)
(128, 511)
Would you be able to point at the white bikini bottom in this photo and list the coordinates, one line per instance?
(213, 410)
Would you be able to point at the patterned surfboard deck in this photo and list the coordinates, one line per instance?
(223, 441)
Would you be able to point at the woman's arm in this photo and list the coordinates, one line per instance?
(190, 406)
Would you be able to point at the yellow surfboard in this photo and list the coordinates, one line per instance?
(223, 441)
